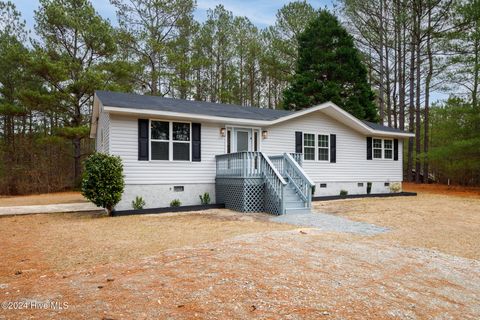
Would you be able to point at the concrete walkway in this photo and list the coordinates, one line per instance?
(50, 208)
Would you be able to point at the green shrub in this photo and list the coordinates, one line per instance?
(205, 199)
(102, 181)
(175, 203)
(138, 203)
(343, 193)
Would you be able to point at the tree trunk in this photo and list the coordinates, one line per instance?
(381, 73)
(418, 123)
(476, 71)
(77, 155)
(427, 98)
(401, 65)
(411, 108)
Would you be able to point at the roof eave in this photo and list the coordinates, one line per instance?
(342, 116)
(180, 115)
(95, 115)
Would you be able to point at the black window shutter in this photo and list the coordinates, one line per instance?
(395, 149)
(196, 142)
(333, 148)
(369, 148)
(143, 139)
(298, 142)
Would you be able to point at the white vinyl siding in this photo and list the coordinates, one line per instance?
(351, 151)
(351, 164)
(124, 143)
(103, 133)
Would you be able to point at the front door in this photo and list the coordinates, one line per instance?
(243, 139)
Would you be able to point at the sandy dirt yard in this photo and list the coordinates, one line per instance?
(218, 264)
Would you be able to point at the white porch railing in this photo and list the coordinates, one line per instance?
(276, 171)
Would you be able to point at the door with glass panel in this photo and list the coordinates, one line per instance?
(244, 140)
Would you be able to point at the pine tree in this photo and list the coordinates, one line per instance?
(329, 68)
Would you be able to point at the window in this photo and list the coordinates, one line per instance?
(360, 184)
(387, 184)
(377, 148)
(181, 141)
(323, 147)
(229, 143)
(388, 149)
(160, 133)
(178, 188)
(382, 148)
(308, 146)
(323, 185)
(166, 136)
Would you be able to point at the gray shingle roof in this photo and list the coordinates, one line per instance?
(379, 127)
(137, 101)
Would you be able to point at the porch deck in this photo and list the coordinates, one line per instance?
(251, 181)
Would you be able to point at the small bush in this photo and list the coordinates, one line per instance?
(102, 181)
(138, 203)
(205, 199)
(369, 187)
(395, 187)
(175, 203)
(343, 193)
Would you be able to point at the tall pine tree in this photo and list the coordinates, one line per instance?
(329, 68)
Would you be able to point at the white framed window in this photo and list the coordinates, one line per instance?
(382, 149)
(170, 140)
(323, 147)
(377, 148)
(388, 149)
(309, 146)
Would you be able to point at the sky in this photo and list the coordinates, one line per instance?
(260, 12)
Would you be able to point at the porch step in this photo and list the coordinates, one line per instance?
(294, 204)
(297, 210)
(292, 197)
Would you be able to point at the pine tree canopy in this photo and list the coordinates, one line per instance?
(329, 68)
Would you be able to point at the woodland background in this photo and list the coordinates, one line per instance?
(412, 49)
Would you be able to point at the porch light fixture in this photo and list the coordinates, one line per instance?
(264, 134)
(222, 132)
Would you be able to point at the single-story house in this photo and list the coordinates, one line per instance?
(246, 157)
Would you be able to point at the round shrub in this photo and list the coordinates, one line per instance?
(102, 181)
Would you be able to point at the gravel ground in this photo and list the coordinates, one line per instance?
(328, 222)
(303, 274)
(220, 264)
(450, 224)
